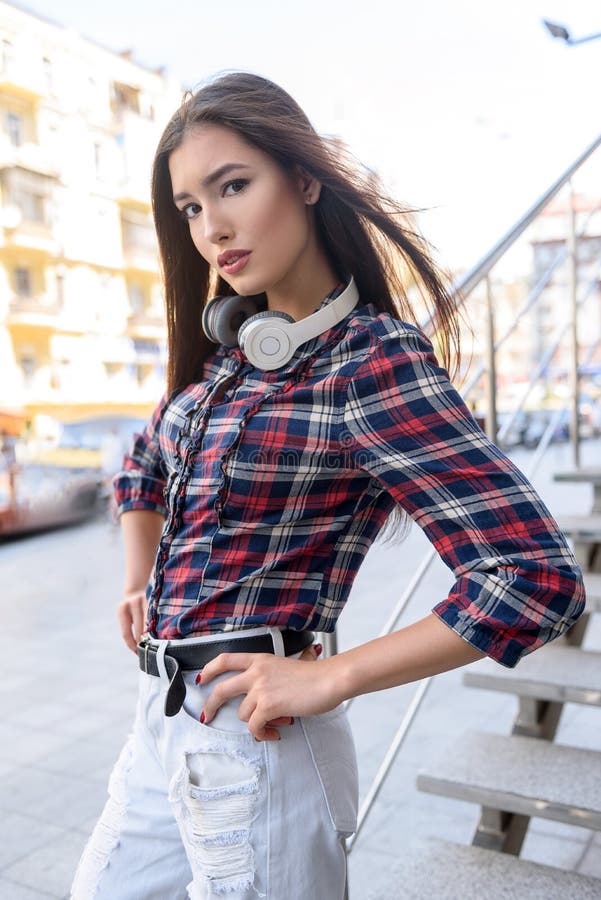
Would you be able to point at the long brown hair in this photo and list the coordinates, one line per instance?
(362, 229)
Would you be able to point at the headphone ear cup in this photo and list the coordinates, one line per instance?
(223, 316)
(266, 314)
(207, 316)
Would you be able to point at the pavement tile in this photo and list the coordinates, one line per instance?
(74, 803)
(11, 890)
(20, 834)
(372, 877)
(565, 853)
(81, 758)
(49, 868)
(25, 787)
(590, 863)
(23, 746)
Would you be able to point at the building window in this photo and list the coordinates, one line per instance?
(60, 288)
(48, 73)
(142, 371)
(14, 128)
(125, 97)
(139, 235)
(33, 207)
(136, 299)
(7, 55)
(97, 161)
(28, 367)
(23, 282)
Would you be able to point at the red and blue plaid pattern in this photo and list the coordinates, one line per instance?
(275, 484)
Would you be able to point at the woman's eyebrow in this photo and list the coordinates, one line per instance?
(213, 177)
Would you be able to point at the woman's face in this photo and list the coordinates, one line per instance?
(236, 197)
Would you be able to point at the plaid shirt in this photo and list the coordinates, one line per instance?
(274, 485)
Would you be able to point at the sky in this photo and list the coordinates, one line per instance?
(467, 110)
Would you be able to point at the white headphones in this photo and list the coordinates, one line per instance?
(268, 338)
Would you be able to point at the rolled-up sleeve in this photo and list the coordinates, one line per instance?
(141, 481)
(517, 584)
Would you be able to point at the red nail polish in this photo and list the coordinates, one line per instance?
(198, 677)
(318, 648)
(202, 716)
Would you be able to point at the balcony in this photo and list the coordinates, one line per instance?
(141, 258)
(31, 156)
(146, 324)
(134, 191)
(39, 311)
(21, 79)
(33, 236)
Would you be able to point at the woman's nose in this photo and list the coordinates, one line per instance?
(215, 226)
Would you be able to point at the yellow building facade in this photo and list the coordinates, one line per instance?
(81, 310)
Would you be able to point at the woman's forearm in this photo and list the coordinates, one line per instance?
(141, 534)
(424, 648)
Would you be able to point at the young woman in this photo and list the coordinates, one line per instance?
(303, 410)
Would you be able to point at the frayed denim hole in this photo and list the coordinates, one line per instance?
(216, 792)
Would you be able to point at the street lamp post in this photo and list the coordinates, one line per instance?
(562, 33)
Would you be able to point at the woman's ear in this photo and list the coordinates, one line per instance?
(309, 186)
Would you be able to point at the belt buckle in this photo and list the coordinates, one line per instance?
(144, 642)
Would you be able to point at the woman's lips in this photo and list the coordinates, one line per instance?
(237, 266)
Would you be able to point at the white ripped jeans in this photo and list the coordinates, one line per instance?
(199, 811)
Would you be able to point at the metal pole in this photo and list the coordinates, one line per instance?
(491, 366)
(389, 758)
(330, 643)
(330, 648)
(573, 293)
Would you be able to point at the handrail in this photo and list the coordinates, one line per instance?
(466, 284)
(469, 281)
(546, 359)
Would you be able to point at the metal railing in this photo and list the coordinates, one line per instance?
(462, 289)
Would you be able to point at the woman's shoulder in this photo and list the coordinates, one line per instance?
(371, 329)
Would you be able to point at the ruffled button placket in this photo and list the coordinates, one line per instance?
(188, 441)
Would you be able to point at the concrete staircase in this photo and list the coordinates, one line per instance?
(431, 869)
(516, 777)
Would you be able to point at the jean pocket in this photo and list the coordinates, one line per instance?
(226, 721)
(332, 749)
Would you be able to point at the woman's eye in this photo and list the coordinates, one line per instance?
(238, 185)
(188, 212)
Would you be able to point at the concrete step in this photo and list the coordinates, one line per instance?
(520, 774)
(592, 583)
(431, 868)
(582, 528)
(558, 673)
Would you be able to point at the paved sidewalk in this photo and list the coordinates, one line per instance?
(68, 696)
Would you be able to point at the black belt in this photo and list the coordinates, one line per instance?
(182, 657)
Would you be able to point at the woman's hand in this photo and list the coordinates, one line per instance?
(131, 613)
(277, 688)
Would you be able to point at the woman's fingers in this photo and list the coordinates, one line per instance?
(125, 620)
(262, 731)
(226, 662)
(222, 692)
(131, 614)
(138, 616)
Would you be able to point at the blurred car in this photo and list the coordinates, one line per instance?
(512, 436)
(35, 497)
(94, 443)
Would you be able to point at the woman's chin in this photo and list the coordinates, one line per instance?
(247, 287)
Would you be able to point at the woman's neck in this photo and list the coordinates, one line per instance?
(304, 287)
